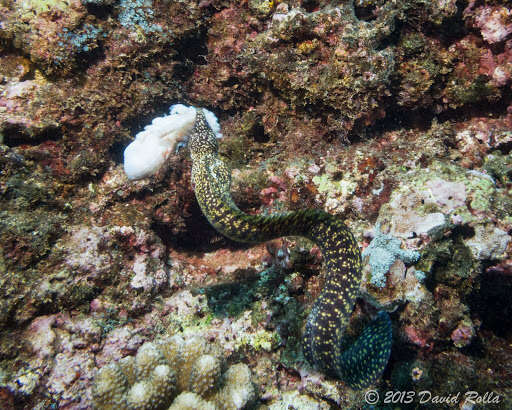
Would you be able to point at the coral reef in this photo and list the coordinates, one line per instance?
(189, 369)
(391, 113)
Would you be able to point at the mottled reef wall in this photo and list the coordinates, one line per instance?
(396, 114)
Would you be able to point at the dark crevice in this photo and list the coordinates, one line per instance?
(197, 236)
(231, 81)
(392, 39)
(258, 133)
(464, 231)
(29, 75)
(88, 58)
(451, 29)
(231, 112)
(16, 135)
(116, 151)
(492, 303)
(190, 51)
(505, 150)
(396, 118)
(310, 5)
(365, 13)
(101, 11)
(399, 117)
(402, 354)
(477, 109)
(193, 48)
(475, 349)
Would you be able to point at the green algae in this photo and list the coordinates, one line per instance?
(481, 192)
(261, 340)
(231, 300)
(258, 312)
(325, 184)
(502, 204)
(262, 8)
(462, 92)
(499, 166)
(412, 43)
(29, 235)
(290, 318)
(449, 261)
(29, 192)
(40, 6)
(479, 189)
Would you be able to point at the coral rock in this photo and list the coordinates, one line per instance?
(168, 366)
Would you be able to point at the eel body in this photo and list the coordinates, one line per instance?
(363, 362)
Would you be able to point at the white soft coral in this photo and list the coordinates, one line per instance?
(152, 146)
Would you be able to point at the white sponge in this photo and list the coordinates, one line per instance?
(152, 146)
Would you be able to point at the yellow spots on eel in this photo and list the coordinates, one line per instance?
(364, 361)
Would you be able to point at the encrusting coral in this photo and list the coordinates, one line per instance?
(182, 373)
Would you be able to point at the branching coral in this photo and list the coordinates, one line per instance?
(162, 369)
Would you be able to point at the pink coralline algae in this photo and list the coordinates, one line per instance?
(463, 334)
(495, 23)
(498, 67)
(416, 337)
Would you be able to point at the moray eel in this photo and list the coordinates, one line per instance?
(364, 361)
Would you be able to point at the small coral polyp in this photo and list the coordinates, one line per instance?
(176, 372)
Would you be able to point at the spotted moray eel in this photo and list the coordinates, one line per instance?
(361, 363)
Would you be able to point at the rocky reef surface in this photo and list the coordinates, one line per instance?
(394, 115)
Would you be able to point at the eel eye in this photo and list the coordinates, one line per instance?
(180, 146)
